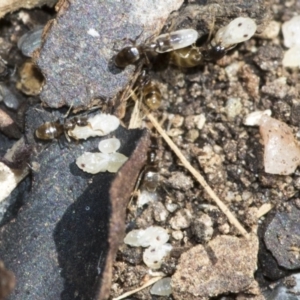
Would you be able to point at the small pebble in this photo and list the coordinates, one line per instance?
(171, 207)
(177, 235)
(291, 32)
(9, 99)
(291, 57)
(176, 120)
(31, 41)
(271, 31)
(202, 228)
(180, 181)
(233, 107)
(253, 119)
(145, 197)
(160, 214)
(192, 135)
(175, 132)
(232, 71)
(181, 220)
(162, 287)
(281, 150)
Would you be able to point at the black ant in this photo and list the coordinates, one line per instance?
(163, 43)
(149, 176)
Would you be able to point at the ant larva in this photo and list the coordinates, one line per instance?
(225, 39)
(163, 43)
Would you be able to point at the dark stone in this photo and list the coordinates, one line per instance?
(63, 239)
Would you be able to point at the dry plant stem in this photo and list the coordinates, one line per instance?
(264, 209)
(150, 282)
(232, 219)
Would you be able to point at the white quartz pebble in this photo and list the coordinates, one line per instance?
(109, 145)
(162, 287)
(291, 57)
(291, 32)
(281, 150)
(253, 119)
(145, 197)
(271, 30)
(233, 107)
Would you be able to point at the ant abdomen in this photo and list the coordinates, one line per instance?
(152, 95)
(49, 130)
(186, 57)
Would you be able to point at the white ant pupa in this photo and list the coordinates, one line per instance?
(237, 31)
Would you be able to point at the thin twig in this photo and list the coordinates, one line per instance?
(232, 219)
(150, 282)
(264, 209)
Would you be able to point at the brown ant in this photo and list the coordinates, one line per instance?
(53, 130)
(149, 91)
(149, 176)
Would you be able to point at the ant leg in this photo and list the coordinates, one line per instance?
(66, 115)
(212, 25)
(133, 42)
(67, 137)
(135, 193)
